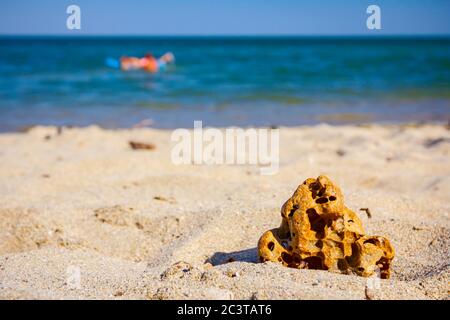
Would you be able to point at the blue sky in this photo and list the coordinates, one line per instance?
(225, 17)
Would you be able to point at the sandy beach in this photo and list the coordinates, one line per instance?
(135, 226)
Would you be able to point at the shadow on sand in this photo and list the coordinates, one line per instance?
(247, 255)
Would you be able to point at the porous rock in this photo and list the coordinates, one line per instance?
(318, 231)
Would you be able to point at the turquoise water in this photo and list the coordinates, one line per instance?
(224, 81)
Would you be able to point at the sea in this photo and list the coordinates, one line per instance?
(224, 81)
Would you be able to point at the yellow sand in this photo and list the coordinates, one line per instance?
(84, 200)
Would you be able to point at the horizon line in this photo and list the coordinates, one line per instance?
(439, 35)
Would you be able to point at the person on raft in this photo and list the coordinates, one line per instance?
(147, 63)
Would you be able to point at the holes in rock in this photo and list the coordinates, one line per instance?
(322, 200)
(315, 186)
(320, 234)
(319, 244)
(372, 241)
(312, 214)
(271, 246)
(383, 264)
(297, 259)
(279, 259)
(295, 208)
(286, 257)
(314, 263)
(316, 222)
(350, 221)
(353, 259)
(342, 264)
(332, 198)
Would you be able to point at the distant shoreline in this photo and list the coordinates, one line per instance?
(371, 37)
(402, 125)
